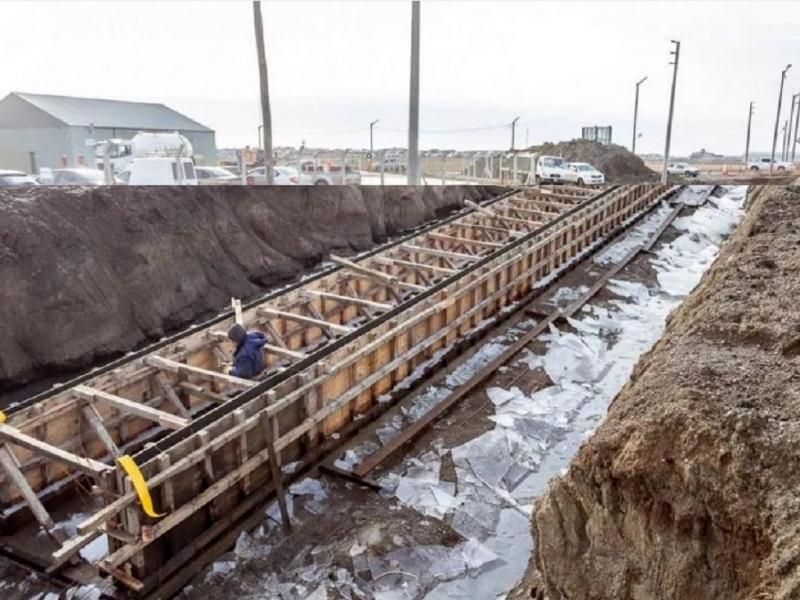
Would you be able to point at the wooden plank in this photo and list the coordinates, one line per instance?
(462, 240)
(391, 262)
(441, 253)
(290, 316)
(166, 364)
(170, 395)
(275, 336)
(96, 421)
(267, 425)
(236, 304)
(201, 392)
(10, 463)
(495, 215)
(164, 419)
(284, 352)
(89, 466)
(346, 299)
(384, 278)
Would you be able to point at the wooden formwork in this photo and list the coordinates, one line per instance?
(210, 446)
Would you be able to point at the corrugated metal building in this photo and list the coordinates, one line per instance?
(56, 128)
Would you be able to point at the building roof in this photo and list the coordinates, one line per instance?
(111, 113)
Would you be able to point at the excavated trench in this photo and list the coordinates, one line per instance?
(688, 489)
(90, 274)
(452, 520)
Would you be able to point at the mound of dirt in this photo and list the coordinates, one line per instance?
(89, 274)
(689, 488)
(617, 163)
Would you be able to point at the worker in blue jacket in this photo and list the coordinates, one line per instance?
(248, 359)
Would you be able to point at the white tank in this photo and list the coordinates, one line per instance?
(161, 144)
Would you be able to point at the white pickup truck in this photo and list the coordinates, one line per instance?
(551, 169)
(762, 164)
(683, 169)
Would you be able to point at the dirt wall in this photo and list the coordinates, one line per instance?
(89, 274)
(689, 487)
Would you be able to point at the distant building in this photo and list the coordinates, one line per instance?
(597, 134)
(704, 154)
(38, 130)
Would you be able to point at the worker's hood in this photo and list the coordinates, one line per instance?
(255, 340)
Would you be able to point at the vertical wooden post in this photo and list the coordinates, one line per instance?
(275, 469)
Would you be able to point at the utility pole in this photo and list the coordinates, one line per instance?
(677, 53)
(371, 125)
(788, 135)
(783, 141)
(636, 113)
(266, 115)
(747, 143)
(777, 119)
(513, 131)
(413, 109)
(795, 98)
(796, 123)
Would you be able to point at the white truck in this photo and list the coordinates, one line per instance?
(762, 164)
(163, 158)
(122, 152)
(551, 169)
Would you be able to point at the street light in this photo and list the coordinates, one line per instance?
(636, 112)
(513, 131)
(371, 125)
(777, 119)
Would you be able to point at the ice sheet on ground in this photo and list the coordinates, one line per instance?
(309, 487)
(566, 295)
(474, 363)
(636, 237)
(96, 549)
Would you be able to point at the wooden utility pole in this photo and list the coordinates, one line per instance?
(266, 114)
(777, 119)
(747, 143)
(677, 53)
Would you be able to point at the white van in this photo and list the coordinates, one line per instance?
(159, 170)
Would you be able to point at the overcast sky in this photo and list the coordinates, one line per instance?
(334, 66)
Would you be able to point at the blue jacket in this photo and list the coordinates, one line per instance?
(248, 360)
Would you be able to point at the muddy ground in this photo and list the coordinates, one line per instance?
(89, 274)
(689, 488)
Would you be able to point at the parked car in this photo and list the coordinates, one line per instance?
(216, 176)
(683, 169)
(159, 170)
(315, 173)
(583, 174)
(280, 176)
(763, 164)
(77, 176)
(550, 169)
(16, 179)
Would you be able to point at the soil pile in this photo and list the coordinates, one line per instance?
(617, 163)
(89, 274)
(689, 487)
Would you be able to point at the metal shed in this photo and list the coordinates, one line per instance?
(40, 130)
